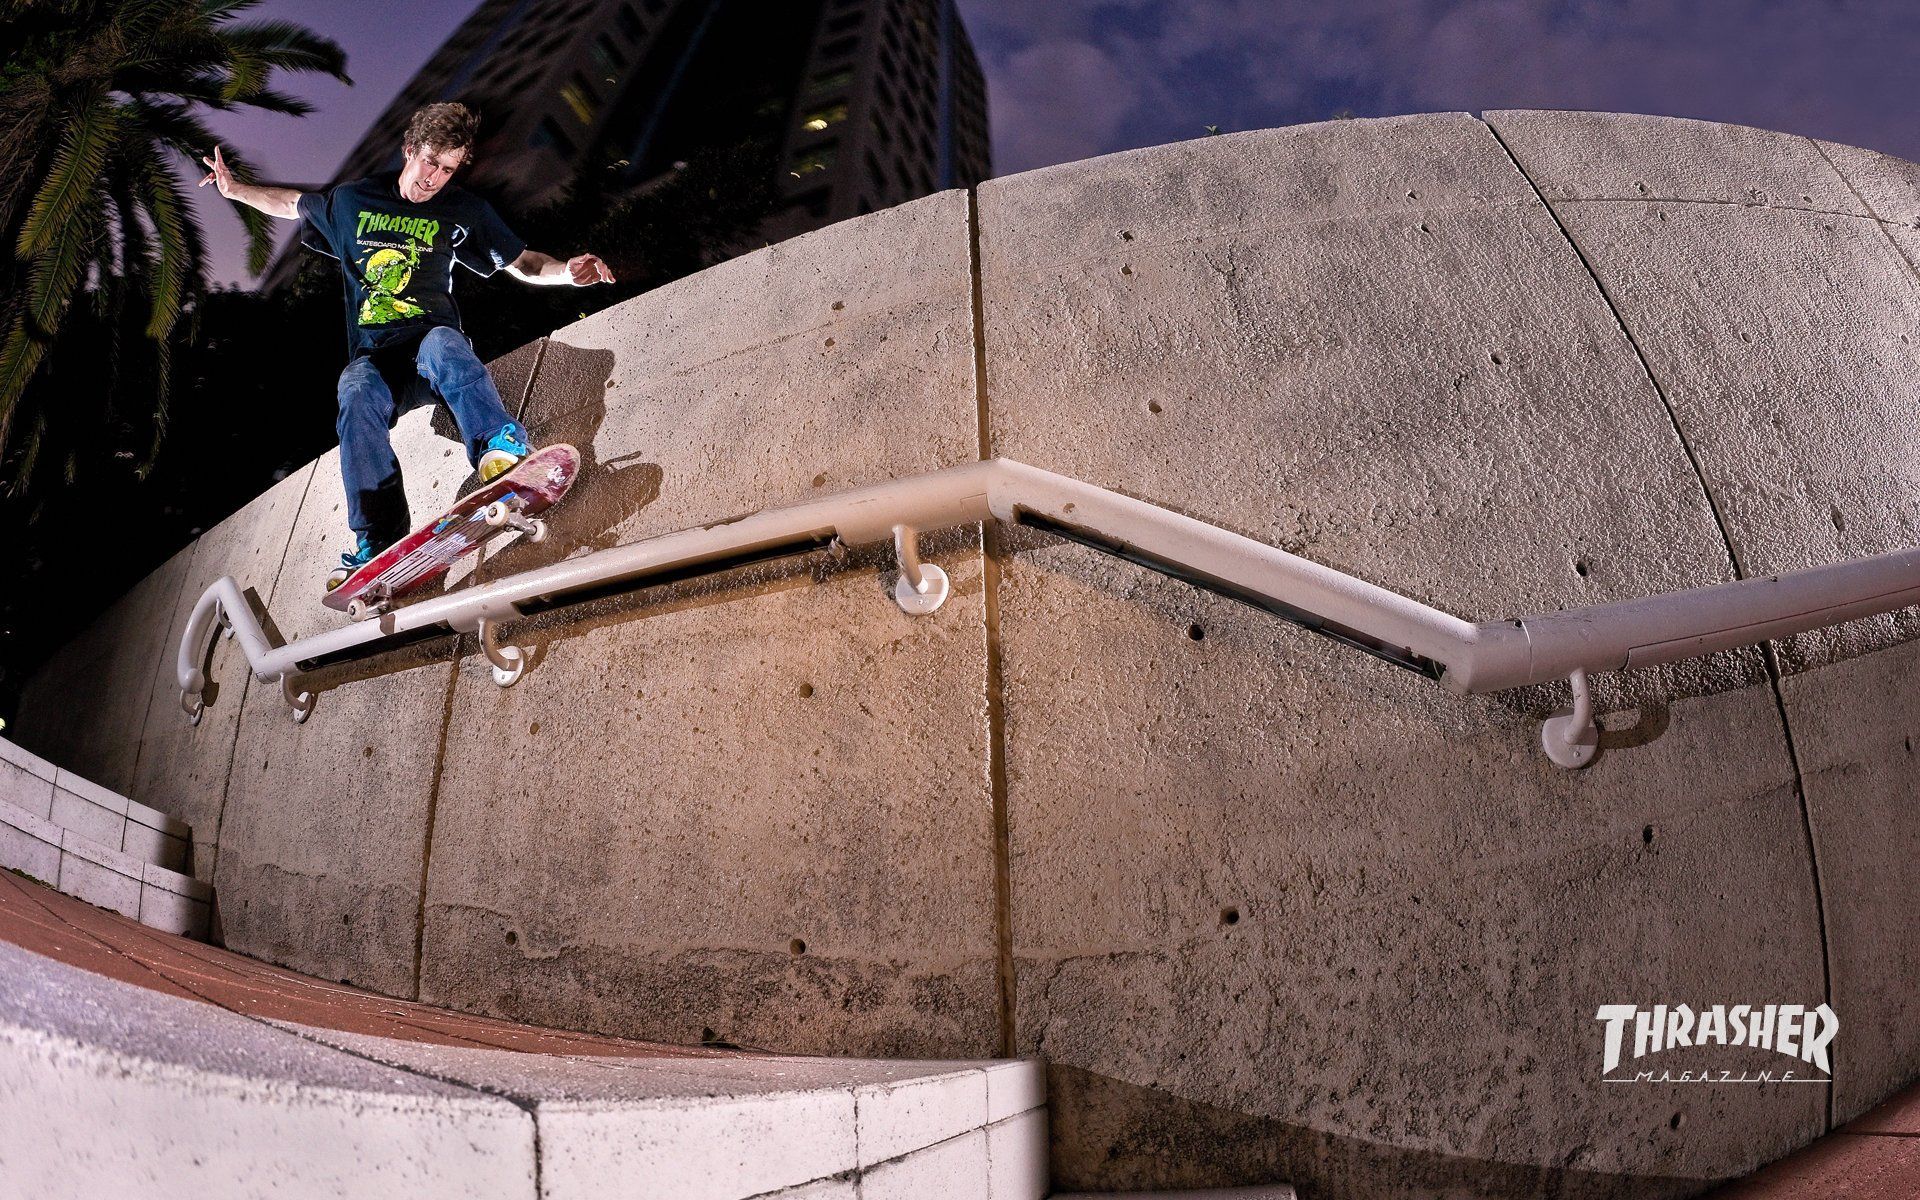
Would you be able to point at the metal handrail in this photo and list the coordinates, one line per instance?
(1467, 657)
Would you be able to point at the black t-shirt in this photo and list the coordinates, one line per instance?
(397, 256)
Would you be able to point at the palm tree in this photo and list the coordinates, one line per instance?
(100, 106)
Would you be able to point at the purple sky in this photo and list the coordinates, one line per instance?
(1068, 79)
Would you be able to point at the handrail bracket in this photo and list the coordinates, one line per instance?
(1572, 739)
(922, 586)
(300, 702)
(509, 661)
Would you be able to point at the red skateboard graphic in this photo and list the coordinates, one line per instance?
(511, 501)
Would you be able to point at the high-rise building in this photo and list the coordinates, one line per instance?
(861, 104)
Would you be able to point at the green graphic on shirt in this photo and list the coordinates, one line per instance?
(387, 272)
(414, 227)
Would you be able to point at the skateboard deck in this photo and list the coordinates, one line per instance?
(510, 501)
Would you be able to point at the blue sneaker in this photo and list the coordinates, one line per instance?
(364, 548)
(504, 449)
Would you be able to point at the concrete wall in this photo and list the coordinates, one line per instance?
(1269, 908)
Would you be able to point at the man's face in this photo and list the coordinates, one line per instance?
(427, 170)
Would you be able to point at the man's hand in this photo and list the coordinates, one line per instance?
(582, 270)
(275, 202)
(587, 270)
(219, 176)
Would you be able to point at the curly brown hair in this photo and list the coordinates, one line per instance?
(443, 127)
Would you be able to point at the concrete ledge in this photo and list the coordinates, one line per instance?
(109, 1089)
(207, 1102)
(736, 1127)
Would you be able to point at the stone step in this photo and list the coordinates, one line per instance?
(105, 818)
(84, 869)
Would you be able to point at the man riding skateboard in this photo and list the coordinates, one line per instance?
(397, 238)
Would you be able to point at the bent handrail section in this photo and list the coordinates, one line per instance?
(1465, 656)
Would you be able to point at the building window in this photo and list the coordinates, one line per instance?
(839, 47)
(843, 23)
(580, 99)
(607, 56)
(832, 81)
(813, 161)
(630, 24)
(820, 118)
(549, 135)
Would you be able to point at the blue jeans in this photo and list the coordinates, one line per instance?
(443, 367)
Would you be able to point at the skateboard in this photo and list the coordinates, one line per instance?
(511, 501)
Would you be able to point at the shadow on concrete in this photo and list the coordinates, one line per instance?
(1632, 706)
(1110, 1134)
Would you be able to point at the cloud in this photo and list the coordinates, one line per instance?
(1075, 78)
(1052, 100)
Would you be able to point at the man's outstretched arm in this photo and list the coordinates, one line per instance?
(273, 201)
(580, 270)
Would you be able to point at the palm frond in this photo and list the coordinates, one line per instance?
(74, 174)
(176, 238)
(288, 46)
(247, 73)
(175, 125)
(97, 98)
(273, 100)
(214, 11)
(20, 355)
(30, 456)
(56, 273)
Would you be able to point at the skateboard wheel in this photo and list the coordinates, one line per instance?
(495, 514)
(361, 610)
(539, 531)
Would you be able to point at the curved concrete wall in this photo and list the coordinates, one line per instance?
(1271, 909)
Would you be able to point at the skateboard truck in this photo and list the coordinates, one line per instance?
(506, 513)
(922, 587)
(1572, 739)
(366, 607)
